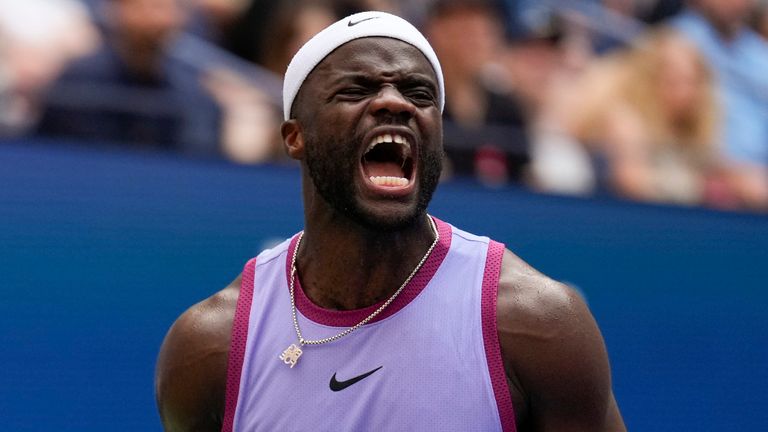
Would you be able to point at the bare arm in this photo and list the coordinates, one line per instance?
(191, 373)
(554, 354)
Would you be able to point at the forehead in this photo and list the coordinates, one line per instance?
(373, 57)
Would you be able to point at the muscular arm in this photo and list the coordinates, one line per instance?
(191, 373)
(553, 353)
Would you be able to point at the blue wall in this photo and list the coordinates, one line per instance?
(100, 251)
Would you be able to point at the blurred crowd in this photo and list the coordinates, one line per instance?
(652, 100)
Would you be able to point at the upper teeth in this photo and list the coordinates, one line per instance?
(395, 138)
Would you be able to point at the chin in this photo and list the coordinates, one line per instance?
(387, 219)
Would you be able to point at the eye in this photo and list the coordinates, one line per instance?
(352, 93)
(420, 96)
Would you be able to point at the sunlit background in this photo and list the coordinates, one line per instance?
(620, 146)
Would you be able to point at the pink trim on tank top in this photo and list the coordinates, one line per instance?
(237, 345)
(491, 336)
(348, 318)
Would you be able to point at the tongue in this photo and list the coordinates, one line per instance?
(383, 169)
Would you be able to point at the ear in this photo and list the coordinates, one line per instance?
(293, 138)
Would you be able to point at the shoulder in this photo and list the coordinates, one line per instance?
(552, 350)
(190, 378)
(533, 309)
(525, 290)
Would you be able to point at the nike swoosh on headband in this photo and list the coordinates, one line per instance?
(350, 23)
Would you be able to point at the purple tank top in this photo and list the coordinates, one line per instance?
(430, 361)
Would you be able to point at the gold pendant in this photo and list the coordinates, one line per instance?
(291, 355)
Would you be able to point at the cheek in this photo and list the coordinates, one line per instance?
(431, 157)
(333, 154)
(339, 121)
(430, 127)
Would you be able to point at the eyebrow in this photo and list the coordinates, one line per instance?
(410, 80)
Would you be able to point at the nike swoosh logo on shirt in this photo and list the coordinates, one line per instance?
(341, 385)
(350, 23)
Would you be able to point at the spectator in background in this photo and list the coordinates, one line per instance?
(739, 58)
(251, 126)
(250, 123)
(293, 23)
(484, 127)
(214, 20)
(250, 120)
(264, 24)
(650, 114)
(658, 11)
(243, 35)
(759, 20)
(131, 91)
(618, 12)
(37, 39)
(542, 66)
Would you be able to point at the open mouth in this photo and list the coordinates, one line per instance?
(388, 161)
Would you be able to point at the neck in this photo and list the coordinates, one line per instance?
(345, 266)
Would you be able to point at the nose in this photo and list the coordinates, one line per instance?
(389, 101)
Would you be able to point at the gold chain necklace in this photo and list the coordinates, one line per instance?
(291, 354)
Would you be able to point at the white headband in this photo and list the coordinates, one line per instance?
(360, 25)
